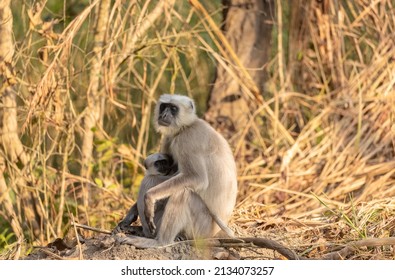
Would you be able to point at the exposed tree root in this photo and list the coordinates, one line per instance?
(355, 245)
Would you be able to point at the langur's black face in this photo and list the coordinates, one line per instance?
(163, 166)
(167, 113)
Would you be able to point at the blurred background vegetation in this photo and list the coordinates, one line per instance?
(302, 90)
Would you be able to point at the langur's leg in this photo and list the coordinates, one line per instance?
(186, 213)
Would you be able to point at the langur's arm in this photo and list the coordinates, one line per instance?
(193, 175)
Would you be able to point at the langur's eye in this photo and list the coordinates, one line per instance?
(174, 109)
(160, 163)
(162, 107)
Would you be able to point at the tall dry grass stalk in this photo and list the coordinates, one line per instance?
(12, 147)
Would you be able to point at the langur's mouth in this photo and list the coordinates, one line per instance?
(163, 122)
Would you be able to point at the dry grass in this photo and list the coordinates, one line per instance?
(321, 168)
(336, 182)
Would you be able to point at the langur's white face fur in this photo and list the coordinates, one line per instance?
(173, 113)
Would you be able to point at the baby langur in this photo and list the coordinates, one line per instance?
(205, 187)
(159, 167)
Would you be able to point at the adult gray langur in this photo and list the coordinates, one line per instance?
(204, 188)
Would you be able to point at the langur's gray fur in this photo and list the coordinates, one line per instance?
(206, 170)
(154, 175)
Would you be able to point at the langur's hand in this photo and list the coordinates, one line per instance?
(124, 225)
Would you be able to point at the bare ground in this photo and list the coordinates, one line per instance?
(105, 247)
(311, 240)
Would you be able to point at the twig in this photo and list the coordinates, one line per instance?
(51, 254)
(91, 228)
(77, 237)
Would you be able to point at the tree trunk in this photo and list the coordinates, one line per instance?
(248, 28)
(93, 111)
(12, 147)
(298, 28)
